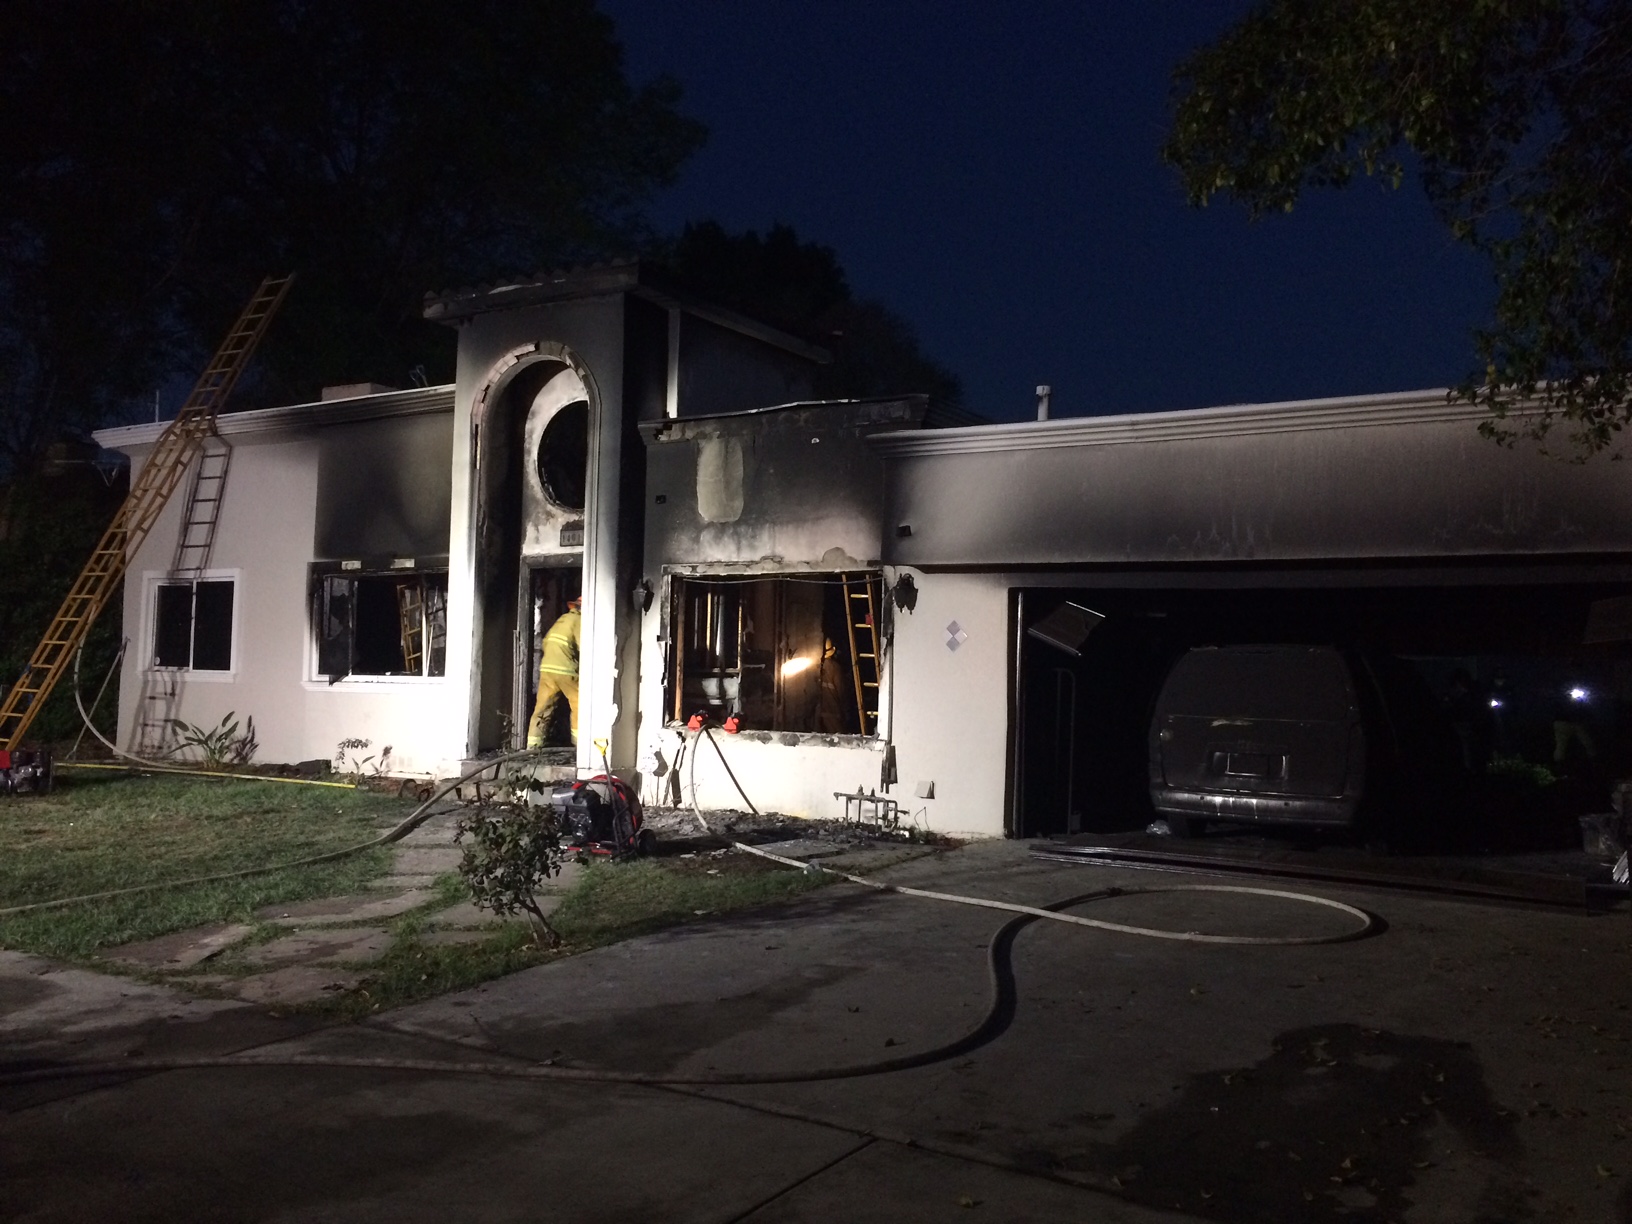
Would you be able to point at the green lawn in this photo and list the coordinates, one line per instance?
(608, 903)
(98, 832)
(104, 831)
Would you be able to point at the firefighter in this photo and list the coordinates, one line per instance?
(557, 675)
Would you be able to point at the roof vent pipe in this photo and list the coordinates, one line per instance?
(1043, 392)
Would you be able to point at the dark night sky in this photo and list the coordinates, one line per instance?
(992, 173)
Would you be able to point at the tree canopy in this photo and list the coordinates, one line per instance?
(160, 156)
(1516, 116)
(801, 288)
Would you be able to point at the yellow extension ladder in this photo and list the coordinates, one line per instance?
(172, 453)
(411, 607)
(861, 615)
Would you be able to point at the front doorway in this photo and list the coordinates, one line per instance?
(531, 530)
(545, 594)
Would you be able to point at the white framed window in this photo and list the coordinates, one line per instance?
(379, 626)
(192, 623)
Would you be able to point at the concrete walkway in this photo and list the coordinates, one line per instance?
(330, 942)
(1469, 1063)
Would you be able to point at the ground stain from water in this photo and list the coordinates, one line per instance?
(1335, 1124)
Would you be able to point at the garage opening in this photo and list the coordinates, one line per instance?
(1509, 705)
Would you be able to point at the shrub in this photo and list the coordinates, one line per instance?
(510, 850)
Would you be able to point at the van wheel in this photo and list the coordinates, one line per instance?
(1185, 826)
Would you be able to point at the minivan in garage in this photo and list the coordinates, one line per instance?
(1267, 734)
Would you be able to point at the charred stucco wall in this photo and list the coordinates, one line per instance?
(645, 360)
(264, 543)
(791, 486)
(383, 488)
(780, 491)
(496, 349)
(1341, 481)
(725, 371)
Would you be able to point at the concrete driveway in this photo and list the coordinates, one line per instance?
(1471, 1062)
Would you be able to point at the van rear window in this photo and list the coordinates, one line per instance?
(1291, 682)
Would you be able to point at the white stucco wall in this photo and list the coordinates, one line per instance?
(264, 542)
(793, 775)
(949, 708)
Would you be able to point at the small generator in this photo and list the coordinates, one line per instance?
(25, 771)
(601, 815)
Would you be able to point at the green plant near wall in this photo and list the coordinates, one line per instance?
(218, 746)
(350, 762)
(1521, 770)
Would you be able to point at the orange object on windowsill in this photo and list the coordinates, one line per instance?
(731, 725)
(695, 722)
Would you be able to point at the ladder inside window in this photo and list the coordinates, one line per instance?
(411, 607)
(861, 617)
(149, 493)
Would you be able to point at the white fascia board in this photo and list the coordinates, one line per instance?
(416, 402)
(1342, 412)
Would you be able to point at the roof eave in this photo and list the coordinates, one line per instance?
(417, 401)
(1341, 412)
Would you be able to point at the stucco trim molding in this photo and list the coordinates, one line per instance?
(1292, 416)
(498, 374)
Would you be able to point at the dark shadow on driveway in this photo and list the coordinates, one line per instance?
(1335, 1125)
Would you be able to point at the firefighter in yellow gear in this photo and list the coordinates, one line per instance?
(557, 675)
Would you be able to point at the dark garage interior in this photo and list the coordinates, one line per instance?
(1526, 726)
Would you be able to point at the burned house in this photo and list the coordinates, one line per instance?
(851, 587)
(380, 566)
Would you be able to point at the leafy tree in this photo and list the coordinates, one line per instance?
(50, 519)
(160, 156)
(801, 288)
(1517, 117)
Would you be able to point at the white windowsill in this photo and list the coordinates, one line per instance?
(188, 674)
(369, 684)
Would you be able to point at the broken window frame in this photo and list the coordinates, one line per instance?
(744, 668)
(221, 646)
(334, 606)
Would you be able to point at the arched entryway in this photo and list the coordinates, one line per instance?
(532, 484)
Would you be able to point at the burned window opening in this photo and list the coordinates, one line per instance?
(563, 456)
(192, 625)
(795, 653)
(381, 624)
